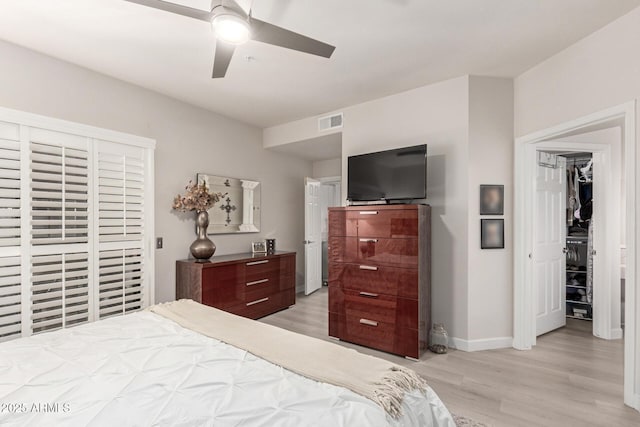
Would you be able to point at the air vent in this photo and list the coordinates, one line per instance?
(330, 122)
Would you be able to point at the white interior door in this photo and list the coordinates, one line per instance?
(312, 236)
(549, 261)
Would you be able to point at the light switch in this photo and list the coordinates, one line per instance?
(159, 243)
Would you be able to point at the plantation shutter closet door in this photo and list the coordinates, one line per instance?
(120, 187)
(76, 223)
(10, 232)
(59, 228)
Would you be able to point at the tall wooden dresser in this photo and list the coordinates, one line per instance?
(244, 284)
(380, 276)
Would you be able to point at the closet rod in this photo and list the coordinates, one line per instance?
(574, 161)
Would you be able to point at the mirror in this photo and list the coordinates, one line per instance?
(239, 209)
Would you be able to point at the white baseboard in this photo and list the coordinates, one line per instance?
(636, 402)
(616, 334)
(482, 344)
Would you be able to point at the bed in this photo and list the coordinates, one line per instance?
(144, 369)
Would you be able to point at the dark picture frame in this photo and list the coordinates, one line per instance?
(492, 200)
(492, 233)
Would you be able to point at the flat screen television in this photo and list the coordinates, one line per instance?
(392, 175)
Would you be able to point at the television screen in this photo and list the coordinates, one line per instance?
(398, 174)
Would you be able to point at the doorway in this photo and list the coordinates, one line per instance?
(330, 196)
(320, 195)
(623, 116)
(577, 236)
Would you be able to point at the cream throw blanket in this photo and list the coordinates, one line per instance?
(383, 382)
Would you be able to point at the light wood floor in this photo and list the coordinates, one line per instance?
(569, 379)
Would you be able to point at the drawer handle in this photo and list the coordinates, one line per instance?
(368, 294)
(369, 240)
(258, 301)
(368, 267)
(258, 262)
(257, 282)
(368, 322)
(368, 212)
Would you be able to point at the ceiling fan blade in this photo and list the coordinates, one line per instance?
(176, 8)
(268, 33)
(224, 53)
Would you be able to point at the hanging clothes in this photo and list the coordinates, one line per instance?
(576, 186)
(586, 201)
(572, 196)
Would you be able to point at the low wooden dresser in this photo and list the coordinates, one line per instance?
(379, 276)
(244, 284)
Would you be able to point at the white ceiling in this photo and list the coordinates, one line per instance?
(383, 47)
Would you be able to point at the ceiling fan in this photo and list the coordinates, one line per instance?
(233, 26)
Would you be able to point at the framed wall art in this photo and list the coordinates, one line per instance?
(492, 233)
(492, 200)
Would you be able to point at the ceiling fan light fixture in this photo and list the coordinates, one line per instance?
(231, 28)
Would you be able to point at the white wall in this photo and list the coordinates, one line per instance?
(490, 162)
(598, 72)
(189, 140)
(327, 168)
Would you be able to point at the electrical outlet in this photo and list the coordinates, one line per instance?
(159, 243)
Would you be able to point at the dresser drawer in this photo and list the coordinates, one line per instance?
(374, 223)
(263, 306)
(260, 268)
(377, 307)
(261, 288)
(384, 223)
(378, 335)
(377, 279)
(374, 251)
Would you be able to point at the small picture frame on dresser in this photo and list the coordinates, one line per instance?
(259, 247)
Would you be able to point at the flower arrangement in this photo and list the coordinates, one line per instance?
(196, 198)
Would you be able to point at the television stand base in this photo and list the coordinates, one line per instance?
(386, 202)
(369, 203)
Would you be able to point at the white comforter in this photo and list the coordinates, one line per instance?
(142, 369)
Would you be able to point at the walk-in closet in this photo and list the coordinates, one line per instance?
(579, 247)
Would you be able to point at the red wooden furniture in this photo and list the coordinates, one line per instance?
(244, 284)
(379, 276)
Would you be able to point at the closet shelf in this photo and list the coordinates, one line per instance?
(578, 317)
(569, 301)
(577, 271)
(576, 287)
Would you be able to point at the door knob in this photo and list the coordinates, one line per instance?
(565, 250)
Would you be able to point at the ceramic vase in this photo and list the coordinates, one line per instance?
(202, 248)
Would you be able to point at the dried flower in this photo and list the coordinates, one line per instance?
(196, 198)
